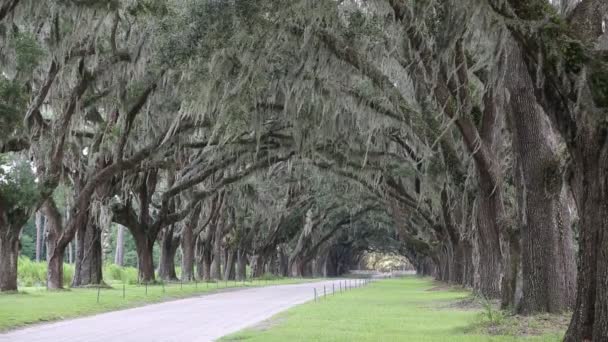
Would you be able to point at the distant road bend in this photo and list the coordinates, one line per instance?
(204, 318)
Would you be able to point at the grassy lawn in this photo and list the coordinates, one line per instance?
(389, 310)
(35, 304)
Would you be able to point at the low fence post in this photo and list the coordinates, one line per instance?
(98, 293)
(315, 289)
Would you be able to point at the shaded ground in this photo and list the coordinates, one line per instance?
(195, 319)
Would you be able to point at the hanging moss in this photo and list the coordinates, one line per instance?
(574, 56)
(599, 86)
(28, 52)
(532, 9)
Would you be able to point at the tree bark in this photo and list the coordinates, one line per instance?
(229, 270)
(166, 266)
(258, 265)
(187, 244)
(488, 235)
(145, 261)
(203, 248)
(9, 254)
(548, 263)
(119, 256)
(590, 318)
(11, 223)
(88, 268)
(216, 263)
(241, 265)
(55, 252)
(39, 234)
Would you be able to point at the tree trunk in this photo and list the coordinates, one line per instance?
(88, 256)
(468, 267)
(187, 244)
(168, 249)
(216, 264)
(488, 234)
(70, 253)
(9, 254)
(590, 186)
(54, 277)
(39, 234)
(258, 266)
(229, 269)
(119, 256)
(203, 248)
(548, 263)
(55, 253)
(283, 263)
(241, 265)
(145, 261)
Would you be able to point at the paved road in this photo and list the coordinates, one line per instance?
(204, 318)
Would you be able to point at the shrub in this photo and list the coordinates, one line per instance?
(491, 314)
(115, 273)
(31, 273)
(269, 276)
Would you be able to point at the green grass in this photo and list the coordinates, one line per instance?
(36, 304)
(388, 310)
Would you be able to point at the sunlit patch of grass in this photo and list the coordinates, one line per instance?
(387, 310)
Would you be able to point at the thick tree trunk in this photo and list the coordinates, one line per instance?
(145, 261)
(89, 261)
(241, 265)
(216, 264)
(590, 186)
(203, 248)
(55, 253)
(168, 249)
(70, 253)
(319, 265)
(39, 235)
(468, 267)
(54, 277)
(283, 263)
(9, 254)
(489, 235)
(548, 263)
(230, 261)
(187, 244)
(259, 265)
(119, 256)
(331, 266)
(445, 259)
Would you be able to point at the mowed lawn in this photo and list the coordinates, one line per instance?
(33, 305)
(403, 309)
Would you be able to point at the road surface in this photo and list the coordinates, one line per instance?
(204, 318)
